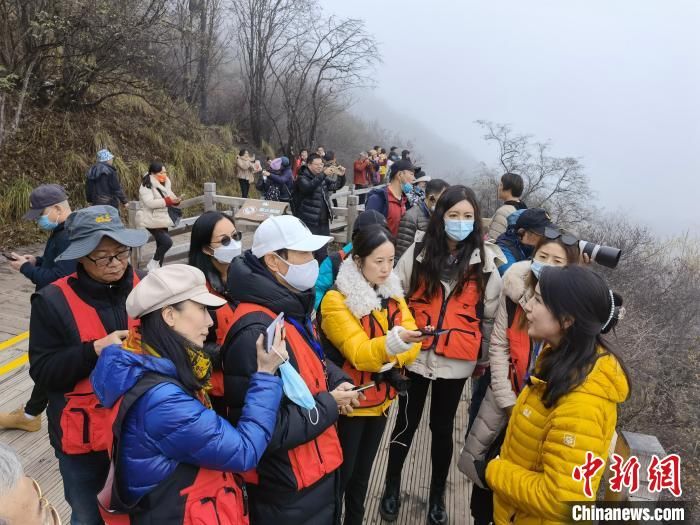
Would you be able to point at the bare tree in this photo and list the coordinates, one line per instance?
(558, 184)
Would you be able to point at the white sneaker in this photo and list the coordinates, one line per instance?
(152, 265)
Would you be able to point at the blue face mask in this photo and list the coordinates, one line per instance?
(458, 230)
(296, 390)
(407, 188)
(536, 267)
(45, 224)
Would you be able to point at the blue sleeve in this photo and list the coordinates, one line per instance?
(324, 281)
(44, 276)
(277, 179)
(376, 203)
(509, 261)
(186, 431)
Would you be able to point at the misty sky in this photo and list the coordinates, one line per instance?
(616, 83)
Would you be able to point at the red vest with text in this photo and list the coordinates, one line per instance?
(456, 312)
(189, 496)
(314, 459)
(84, 421)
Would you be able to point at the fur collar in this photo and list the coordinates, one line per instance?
(514, 281)
(360, 297)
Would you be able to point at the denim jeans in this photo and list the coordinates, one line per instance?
(83, 476)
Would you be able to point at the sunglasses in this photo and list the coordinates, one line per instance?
(51, 517)
(226, 239)
(566, 238)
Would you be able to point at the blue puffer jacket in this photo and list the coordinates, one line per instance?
(167, 426)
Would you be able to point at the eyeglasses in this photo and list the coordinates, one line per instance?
(51, 516)
(566, 238)
(226, 239)
(102, 262)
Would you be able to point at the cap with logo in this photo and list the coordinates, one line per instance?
(534, 220)
(42, 197)
(88, 226)
(170, 285)
(285, 232)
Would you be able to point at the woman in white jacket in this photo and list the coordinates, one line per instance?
(156, 196)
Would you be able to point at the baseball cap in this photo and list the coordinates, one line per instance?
(169, 285)
(401, 165)
(86, 228)
(285, 232)
(368, 218)
(422, 178)
(104, 155)
(42, 197)
(534, 220)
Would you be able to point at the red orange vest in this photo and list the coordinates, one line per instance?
(84, 421)
(519, 345)
(457, 312)
(315, 459)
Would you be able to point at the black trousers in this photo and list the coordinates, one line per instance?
(163, 243)
(359, 437)
(37, 403)
(445, 398)
(245, 187)
(362, 196)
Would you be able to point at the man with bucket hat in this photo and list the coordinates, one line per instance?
(102, 184)
(71, 321)
(49, 207)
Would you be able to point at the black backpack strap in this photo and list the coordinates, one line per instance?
(248, 320)
(417, 250)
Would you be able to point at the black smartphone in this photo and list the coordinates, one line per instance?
(9, 256)
(364, 387)
(425, 331)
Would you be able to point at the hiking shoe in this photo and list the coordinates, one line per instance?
(18, 420)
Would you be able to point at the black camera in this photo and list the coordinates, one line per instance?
(394, 378)
(603, 255)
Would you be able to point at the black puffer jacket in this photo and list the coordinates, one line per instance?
(102, 186)
(415, 219)
(275, 499)
(314, 205)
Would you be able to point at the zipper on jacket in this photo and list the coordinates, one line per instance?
(441, 317)
(318, 450)
(86, 423)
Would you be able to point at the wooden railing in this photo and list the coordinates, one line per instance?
(341, 230)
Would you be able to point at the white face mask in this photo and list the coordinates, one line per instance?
(301, 277)
(226, 254)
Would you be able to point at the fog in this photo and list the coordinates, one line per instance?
(616, 84)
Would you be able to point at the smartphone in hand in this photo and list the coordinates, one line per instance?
(432, 332)
(270, 333)
(364, 387)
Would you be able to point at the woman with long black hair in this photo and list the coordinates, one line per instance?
(449, 279)
(568, 407)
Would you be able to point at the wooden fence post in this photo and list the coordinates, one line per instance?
(643, 447)
(209, 192)
(353, 202)
(132, 208)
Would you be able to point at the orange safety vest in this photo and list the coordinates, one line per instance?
(378, 395)
(455, 312)
(314, 459)
(84, 421)
(519, 345)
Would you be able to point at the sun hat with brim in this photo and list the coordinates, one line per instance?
(285, 232)
(88, 226)
(42, 197)
(168, 285)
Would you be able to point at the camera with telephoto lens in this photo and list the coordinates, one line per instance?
(603, 255)
(394, 378)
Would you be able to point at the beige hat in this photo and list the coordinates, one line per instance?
(170, 285)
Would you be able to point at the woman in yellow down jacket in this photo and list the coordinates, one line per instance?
(370, 332)
(569, 406)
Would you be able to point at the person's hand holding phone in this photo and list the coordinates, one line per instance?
(269, 362)
(346, 398)
(411, 336)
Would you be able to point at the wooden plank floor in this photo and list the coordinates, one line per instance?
(40, 463)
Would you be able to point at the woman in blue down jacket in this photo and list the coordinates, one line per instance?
(174, 457)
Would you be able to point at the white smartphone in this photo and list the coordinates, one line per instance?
(270, 335)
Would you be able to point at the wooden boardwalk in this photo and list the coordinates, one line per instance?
(40, 463)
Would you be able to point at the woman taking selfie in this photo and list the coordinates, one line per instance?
(569, 404)
(367, 325)
(168, 441)
(510, 355)
(446, 278)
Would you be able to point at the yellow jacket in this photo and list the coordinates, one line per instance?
(533, 475)
(341, 311)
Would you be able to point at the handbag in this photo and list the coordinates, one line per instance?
(174, 212)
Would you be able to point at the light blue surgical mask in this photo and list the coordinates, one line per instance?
(407, 188)
(46, 224)
(296, 390)
(458, 230)
(537, 267)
